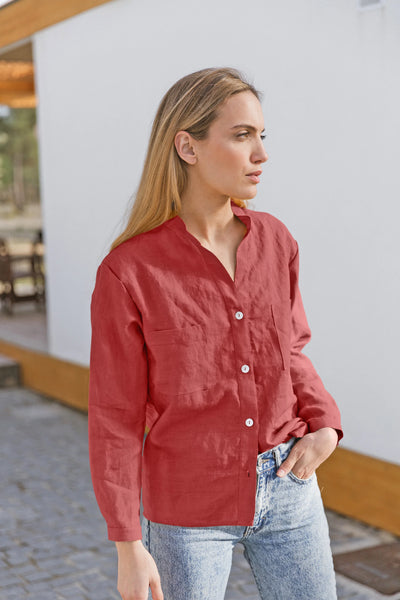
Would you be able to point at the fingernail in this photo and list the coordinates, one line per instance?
(280, 472)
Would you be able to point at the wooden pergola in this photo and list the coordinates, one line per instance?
(19, 20)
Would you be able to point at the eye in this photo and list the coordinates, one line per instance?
(246, 133)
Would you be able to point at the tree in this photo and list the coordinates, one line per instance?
(19, 177)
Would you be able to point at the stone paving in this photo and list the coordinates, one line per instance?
(27, 327)
(53, 541)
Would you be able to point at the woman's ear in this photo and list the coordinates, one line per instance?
(185, 147)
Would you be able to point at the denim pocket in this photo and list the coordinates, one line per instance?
(301, 481)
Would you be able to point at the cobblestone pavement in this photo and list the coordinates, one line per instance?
(53, 542)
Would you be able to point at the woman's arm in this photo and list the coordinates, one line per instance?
(116, 423)
(116, 405)
(136, 571)
(315, 405)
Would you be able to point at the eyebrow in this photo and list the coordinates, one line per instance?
(247, 126)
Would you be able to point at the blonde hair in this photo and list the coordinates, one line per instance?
(191, 105)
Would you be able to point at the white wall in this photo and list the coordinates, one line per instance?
(331, 107)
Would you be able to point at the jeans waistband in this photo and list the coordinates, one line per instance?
(275, 455)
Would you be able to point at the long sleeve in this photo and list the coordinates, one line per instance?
(116, 405)
(315, 405)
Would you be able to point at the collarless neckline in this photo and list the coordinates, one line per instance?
(237, 210)
(178, 225)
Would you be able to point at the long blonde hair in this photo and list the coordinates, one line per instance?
(191, 105)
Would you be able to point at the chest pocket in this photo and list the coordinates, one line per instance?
(270, 334)
(177, 360)
(281, 313)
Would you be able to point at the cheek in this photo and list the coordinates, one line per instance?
(229, 158)
(224, 163)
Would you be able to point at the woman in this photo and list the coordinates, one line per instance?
(197, 332)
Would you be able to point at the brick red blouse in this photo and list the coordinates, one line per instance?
(213, 366)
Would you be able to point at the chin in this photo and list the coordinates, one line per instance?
(246, 195)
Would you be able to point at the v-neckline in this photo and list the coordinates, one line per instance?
(211, 257)
(234, 278)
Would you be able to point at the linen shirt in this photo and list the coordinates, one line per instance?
(213, 366)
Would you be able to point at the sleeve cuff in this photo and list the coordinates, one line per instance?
(124, 534)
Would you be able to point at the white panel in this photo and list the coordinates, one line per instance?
(329, 73)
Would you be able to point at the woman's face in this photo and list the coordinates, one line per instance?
(233, 149)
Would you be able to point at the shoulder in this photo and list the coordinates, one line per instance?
(269, 220)
(273, 227)
(134, 252)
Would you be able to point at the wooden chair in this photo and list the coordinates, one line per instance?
(15, 267)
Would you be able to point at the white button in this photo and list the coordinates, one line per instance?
(245, 368)
(239, 315)
(249, 422)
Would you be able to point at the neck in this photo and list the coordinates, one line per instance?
(209, 220)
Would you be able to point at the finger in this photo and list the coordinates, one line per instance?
(303, 472)
(289, 463)
(300, 469)
(156, 590)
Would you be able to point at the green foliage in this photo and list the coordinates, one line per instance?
(19, 178)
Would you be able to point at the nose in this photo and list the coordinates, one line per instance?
(260, 155)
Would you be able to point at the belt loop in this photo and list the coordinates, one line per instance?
(275, 452)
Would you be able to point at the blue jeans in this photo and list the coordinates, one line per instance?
(287, 546)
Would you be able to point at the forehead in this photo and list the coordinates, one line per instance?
(240, 108)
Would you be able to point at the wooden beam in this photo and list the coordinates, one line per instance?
(18, 100)
(20, 87)
(23, 18)
(17, 86)
(362, 487)
(65, 381)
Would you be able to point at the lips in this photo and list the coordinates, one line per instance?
(254, 176)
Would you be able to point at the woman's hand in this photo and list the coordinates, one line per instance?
(309, 452)
(136, 572)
